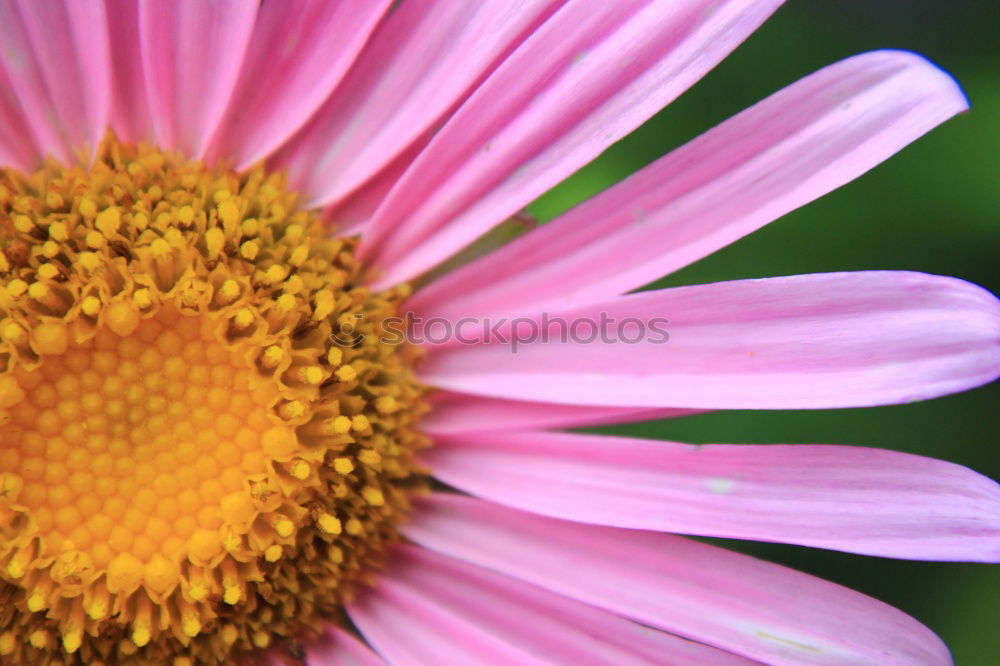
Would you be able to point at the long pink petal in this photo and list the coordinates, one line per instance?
(130, 115)
(17, 146)
(422, 61)
(454, 602)
(849, 498)
(804, 342)
(56, 65)
(336, 647)
(789, 149)
(408, 630)
(737, 603)
(590, 75)
(192, 52)
(352, 215)
(297, 55)
(461, 413)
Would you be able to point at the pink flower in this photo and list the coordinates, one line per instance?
(421, 128)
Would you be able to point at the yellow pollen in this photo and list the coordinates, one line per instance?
(141, 633)
(273, 356)
(215, 240)
(89, 261)
(229, 634)
(192, 467)
(36, 600)
(54, 200)
(292, 410)
(16, 287)
(57, 232)
(90, 306)
(72, 638)
(108, 221)
(312, 374)
(13, 332)
(191, 625)
(249, 250)
(343, 465)
(293, 285)
(88, 209)
(231, 594)
(329, 524)
(346, 373)
(284, 527)
(286, 302)
(229, 212)
(159, 247)
(23, 224)
(229, 290)
(142, 298)
(300, 469)
(276, 273)
(370, 457)
(386, 404)
(38, 291)
(373, 496)
(47, 271)
(185, 215)
(299, 255)
(38, 639)
(95, 240)
(244, 317)
(341, 424)
(335, 356)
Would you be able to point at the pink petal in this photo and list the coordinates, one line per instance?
(594, 72)
(793, 147)
(336, 647)
(192, 52)
(56, 66)
(422, 61)
(297, 55)
(753, 608)
(130, 115)
(408, 630)
(486, 618)
(848, 498)
(17, 148)
(351, 216)
(460, 413)
(804, 342)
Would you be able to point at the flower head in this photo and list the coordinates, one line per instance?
(185, 433)
(215, 436)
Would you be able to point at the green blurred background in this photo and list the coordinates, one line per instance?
(931, 208)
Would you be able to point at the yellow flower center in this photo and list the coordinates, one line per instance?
(206, 435)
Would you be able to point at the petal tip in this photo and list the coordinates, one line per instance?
(931, 75)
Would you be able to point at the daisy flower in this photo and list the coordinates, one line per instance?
(227, 231)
